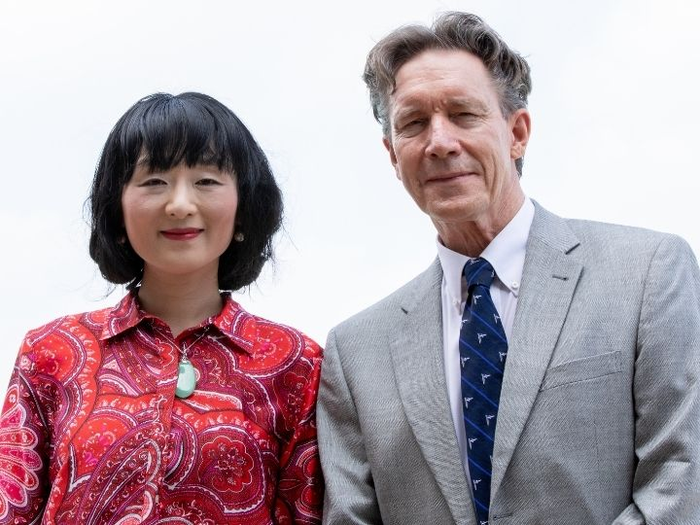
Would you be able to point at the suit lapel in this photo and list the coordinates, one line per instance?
(548, 284)
(420, 375)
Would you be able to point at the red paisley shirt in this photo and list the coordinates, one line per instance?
(92, 433)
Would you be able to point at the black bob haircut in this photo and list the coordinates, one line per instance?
(167, 130)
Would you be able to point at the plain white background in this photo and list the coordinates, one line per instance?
(614, 109)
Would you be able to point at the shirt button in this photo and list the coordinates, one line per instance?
(515, 285)
(456, 303)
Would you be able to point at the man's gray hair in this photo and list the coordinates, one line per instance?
(453, 30)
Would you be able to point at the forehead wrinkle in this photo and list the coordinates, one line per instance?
(424, 105)
(449, 73)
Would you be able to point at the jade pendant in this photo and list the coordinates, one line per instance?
(186, 380)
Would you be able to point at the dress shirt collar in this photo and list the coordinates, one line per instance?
(232, 321)
(506, 253)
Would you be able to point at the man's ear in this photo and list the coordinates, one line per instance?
(392, 155)
(520, 132)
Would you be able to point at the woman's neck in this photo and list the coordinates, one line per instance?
(181, 303)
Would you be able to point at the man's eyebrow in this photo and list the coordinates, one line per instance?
(409, 108)
(468, 102)
(462, 101)
(407, 111)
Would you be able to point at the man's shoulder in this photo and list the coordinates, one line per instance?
(381, 313)
(613, 233)
(624, 242)
(601, 238)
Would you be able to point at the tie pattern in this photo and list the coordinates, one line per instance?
(482, 350)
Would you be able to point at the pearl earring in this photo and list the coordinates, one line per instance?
(238, 237)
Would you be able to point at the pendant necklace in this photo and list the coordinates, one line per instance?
(186, 377)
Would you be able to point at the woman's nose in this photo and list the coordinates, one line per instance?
(181, 202)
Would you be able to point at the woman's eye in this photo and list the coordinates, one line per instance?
(208, 182)
(152, 182)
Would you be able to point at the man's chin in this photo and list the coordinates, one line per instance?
(458, 211)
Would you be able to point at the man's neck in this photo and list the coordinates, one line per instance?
(471, 238)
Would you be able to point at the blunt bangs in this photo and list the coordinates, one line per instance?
(166, 130)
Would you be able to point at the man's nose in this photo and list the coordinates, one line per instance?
(442, 140)
(181, 201)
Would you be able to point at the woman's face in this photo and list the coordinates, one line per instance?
(181, 220)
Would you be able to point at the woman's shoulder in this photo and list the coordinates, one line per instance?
(92, 321)
(100, 322)
(63, 347)
(261, 334)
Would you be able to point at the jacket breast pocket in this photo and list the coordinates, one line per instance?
(582, 369)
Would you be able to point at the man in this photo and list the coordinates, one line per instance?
(542, 370)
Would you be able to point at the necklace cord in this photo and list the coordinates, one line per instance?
(184, 352)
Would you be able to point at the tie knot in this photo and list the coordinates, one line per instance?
(478, 272)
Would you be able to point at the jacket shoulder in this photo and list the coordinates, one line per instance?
(624, 242)
(380, 314)
(599, 240)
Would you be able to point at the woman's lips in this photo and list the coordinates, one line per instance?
(181, 234)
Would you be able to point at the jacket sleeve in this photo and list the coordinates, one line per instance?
(350, 496)
(666, 485)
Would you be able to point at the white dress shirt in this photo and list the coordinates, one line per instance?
(506, 253)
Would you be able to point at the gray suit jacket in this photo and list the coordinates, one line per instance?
(599, 419)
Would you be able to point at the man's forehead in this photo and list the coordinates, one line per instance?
(452, 94)
(441, 68)
(449, 77)
(439, 61)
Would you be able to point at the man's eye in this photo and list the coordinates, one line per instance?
(412, 126)
(464, 116)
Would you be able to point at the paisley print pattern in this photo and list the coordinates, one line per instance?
(92, 433)
(19, 461)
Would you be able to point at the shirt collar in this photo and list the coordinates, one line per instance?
(232, 321)
(506, 253)
(125, 315)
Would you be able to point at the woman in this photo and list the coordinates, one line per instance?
(175, 406)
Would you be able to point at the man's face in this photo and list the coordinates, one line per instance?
(450, 144)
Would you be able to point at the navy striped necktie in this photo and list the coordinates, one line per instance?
(482, 350)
